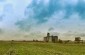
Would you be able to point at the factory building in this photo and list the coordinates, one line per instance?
(50, 38)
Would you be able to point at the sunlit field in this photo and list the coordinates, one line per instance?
(40, 48)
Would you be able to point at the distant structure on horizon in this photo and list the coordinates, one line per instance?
(78, 40)
(50, 38)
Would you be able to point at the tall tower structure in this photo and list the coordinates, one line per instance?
(49, 38)
(48, 34)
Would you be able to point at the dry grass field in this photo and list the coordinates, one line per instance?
(40, 48)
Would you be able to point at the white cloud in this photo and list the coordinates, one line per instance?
(67, 2)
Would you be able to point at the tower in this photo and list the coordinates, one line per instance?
(48, 34)
(49, 38)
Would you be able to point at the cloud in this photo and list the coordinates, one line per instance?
(53, 16)
(31, 16)
(50, 29)
(39, 12)
(26, 24)
(42, 11)
(78, 8)
(81, 9)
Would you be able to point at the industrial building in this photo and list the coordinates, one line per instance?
(51, 38)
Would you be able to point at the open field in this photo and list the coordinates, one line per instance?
(40, 48)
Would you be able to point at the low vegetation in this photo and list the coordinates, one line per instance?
(40, 48)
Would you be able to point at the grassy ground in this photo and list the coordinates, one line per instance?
(37, 48)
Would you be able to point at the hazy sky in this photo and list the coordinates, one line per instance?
(32, 19)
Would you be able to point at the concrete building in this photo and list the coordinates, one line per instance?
(78, 40)
(50, 38)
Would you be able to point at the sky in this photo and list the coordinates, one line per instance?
(32, 19)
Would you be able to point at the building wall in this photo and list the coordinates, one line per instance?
(45, 39)
(50, 39)
(54, 39)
